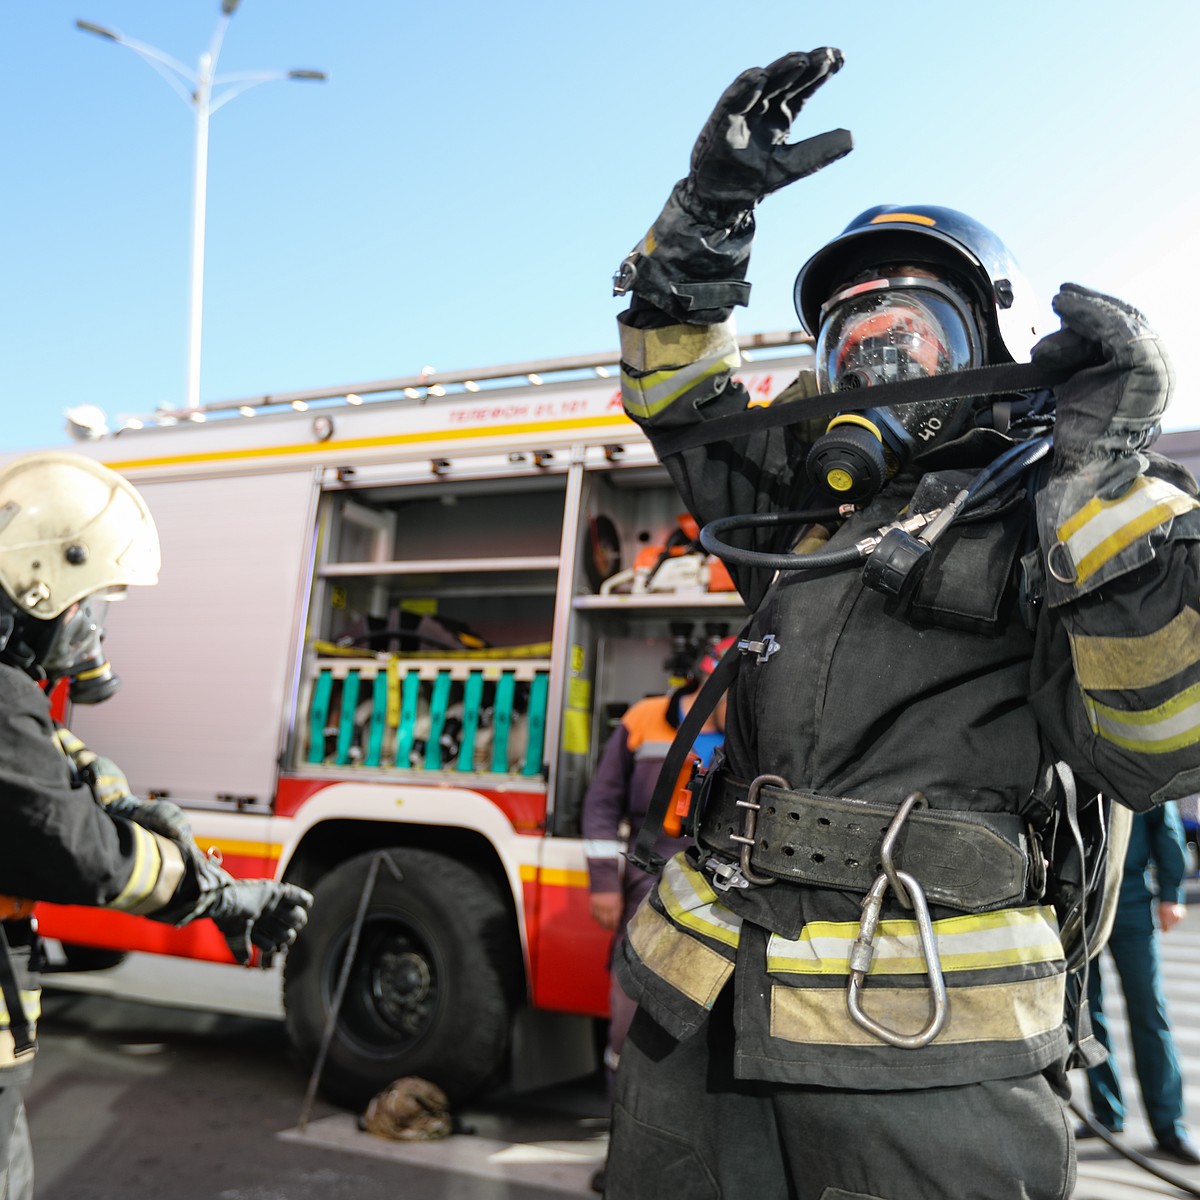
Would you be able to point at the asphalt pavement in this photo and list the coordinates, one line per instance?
(132, 1099)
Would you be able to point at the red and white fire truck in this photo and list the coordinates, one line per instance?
(401, 617)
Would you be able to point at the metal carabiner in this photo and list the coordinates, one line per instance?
(863, 951)
(911, 801)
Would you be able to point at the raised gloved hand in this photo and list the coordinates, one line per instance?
(256, 912)
(692, 263)
(1112, 406)
(742, 153)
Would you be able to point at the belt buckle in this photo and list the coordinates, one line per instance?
(745, 839)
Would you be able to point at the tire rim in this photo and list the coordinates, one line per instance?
(393, 994)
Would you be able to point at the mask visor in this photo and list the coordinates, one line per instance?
(889, 330)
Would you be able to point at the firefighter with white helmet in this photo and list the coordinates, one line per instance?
(74, 536)
(973, 615)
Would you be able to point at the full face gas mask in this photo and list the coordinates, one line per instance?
(76, 650)
(977, 310)
(887, 330)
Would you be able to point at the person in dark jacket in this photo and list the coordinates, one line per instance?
(1151, 886)
(74, 536)
(853, 983)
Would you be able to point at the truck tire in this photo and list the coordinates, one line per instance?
(85, 958)
(433, 986)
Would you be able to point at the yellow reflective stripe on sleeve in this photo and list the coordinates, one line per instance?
(1110, 664)
(1160, 730)
(676, 345)
(691, 902)
(975, 942)
(1101, 529)
(690, 967)
(157, 871)
(994, 1012)
(648, 395)
(68, 741)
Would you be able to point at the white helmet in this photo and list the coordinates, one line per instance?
(69, 528)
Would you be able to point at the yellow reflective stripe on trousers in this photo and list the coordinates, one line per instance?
(1101, 529)
(976, 942)
(32, 1004)
(648, 395)
(1113, 664)
(994, 1012)
(1160, 730)
(691, 902)
(690, 967)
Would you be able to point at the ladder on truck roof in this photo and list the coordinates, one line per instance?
(429, 384)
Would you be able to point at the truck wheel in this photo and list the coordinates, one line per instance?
(432, 988)
(86, 958)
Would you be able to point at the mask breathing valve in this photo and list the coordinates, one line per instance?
(898, 561)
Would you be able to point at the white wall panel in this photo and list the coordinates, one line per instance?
(205, 656)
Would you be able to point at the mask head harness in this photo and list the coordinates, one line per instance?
(951, 299)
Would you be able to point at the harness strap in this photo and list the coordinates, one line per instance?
(18, 1020)
(714, 687)
(958, 385)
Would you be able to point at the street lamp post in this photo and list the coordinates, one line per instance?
(196, 88)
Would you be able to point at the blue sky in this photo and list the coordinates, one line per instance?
(460, 191)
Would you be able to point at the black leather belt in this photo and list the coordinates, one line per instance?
(964, 860)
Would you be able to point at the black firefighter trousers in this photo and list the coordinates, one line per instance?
(685, 1128)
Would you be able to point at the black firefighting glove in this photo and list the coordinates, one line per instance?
(1112, 406)
(692, 263)
(1107, 414)
(253, 912)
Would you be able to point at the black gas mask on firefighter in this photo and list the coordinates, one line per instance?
(904, 294)
(882, 331)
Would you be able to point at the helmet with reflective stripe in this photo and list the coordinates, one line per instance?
(941, 238)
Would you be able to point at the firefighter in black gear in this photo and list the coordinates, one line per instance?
(852, 984)
(73, 536)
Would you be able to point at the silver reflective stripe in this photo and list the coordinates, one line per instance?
(157, 872)
(691, 902)
(973, 942)
(652, 750)
(1101, 529)
(648, 395)
(1160, 730)
(597, 848)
